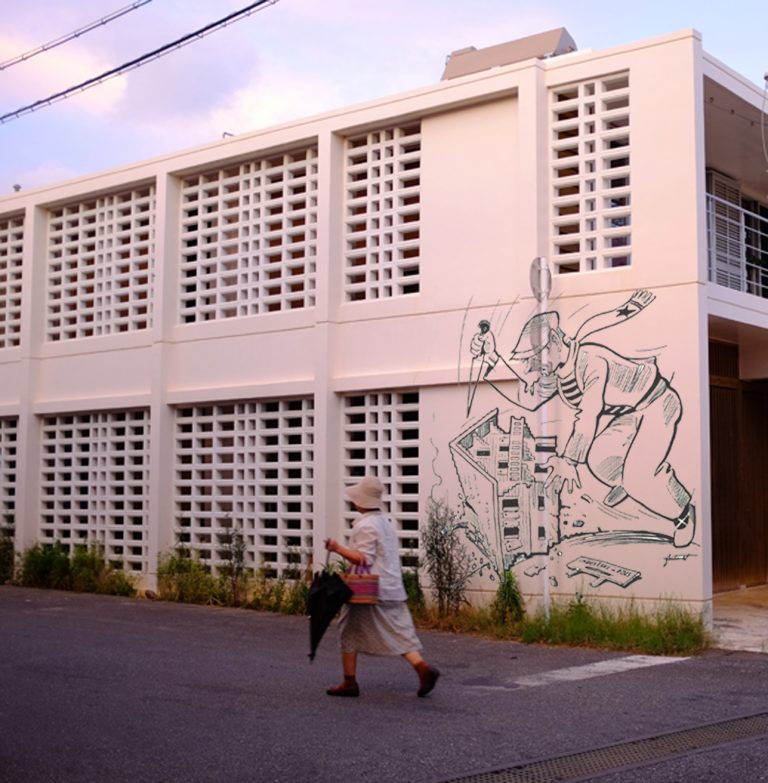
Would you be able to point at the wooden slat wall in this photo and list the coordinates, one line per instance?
(739, 460)
(754, 437)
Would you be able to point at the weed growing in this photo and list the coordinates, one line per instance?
(508, 606)
(278, 595)
(183, 578)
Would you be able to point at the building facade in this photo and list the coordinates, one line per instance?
(226, 336)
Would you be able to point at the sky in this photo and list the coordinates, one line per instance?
(292, 59)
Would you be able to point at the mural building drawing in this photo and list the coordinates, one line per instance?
(575, 455)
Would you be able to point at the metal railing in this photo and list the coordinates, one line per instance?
(738, 246)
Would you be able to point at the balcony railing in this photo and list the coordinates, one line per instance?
(738, 246)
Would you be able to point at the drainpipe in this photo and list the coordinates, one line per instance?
(541, 285)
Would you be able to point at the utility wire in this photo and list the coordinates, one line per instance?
(156, 54)
(74, 34)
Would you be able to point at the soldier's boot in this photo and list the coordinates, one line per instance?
(685, 527)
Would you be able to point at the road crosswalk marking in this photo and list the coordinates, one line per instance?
(598, 669)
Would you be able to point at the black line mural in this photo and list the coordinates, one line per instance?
(524, 492)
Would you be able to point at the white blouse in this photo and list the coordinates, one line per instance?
(373, 535)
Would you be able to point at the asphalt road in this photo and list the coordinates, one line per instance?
(96, 689)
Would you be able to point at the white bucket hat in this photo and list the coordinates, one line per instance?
(367, 493)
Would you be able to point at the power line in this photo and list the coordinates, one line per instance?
(131, 65)
(74, 34)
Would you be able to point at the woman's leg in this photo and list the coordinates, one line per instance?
(349, 687)
(427, 674)
(349, 664)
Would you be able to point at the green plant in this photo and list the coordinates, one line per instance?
(46, 566)
(117, 582)
(51, 566)
(295, 599)
(508, 606)
(447, 561)
(87, 569)
(6, 555)
(413, 591)
(233, 581)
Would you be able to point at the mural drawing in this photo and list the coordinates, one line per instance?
(526, 492)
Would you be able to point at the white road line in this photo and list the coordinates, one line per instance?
(599, 669)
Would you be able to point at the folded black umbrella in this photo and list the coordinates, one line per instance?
(328, 593)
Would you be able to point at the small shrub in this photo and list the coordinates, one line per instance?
(448, 563)
(46, 566)
(87, 569)
(50, 566)
(183, 578)
(6, 555)
(117, 582)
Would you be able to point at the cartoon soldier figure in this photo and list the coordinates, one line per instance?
(626, 413)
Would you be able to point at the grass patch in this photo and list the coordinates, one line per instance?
(670, 630)
(477, 621)
(182, 577)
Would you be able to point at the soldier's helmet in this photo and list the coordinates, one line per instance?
(536, 335)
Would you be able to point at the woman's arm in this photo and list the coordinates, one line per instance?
(353, 555)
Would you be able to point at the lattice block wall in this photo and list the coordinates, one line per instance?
(381, 437)
(590, 175)
(95, 483)
(8, 456)
(101, 262)
(249, 238)
(249, 465)
(11, 249)
(383, 213)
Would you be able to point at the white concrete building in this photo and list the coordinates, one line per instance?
(229, 334)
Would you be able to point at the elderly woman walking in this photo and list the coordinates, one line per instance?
(385, 628)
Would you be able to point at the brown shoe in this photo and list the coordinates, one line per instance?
(427, 680)
(345, 689)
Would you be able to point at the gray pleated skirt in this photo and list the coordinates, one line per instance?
(385, 628)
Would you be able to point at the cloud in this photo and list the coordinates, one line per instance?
(276, 98)
(41, 174)
(40, 77)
